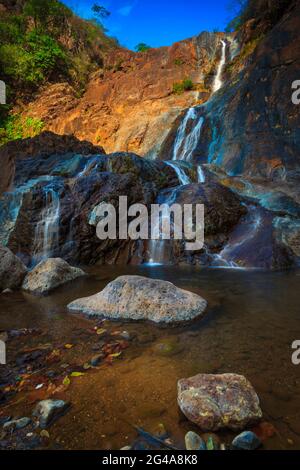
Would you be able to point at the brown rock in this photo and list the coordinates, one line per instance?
(214, 402)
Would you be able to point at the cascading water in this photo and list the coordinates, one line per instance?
(218, 78)
(158, 252)
(46, 238)
(182, 176)
(10, 206)
(187, 140)
(201, 174)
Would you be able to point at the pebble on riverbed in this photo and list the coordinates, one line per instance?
(247, 440)
(194, 442)
(48, 411)
(16, 424)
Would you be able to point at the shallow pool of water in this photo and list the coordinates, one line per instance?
(251, 323)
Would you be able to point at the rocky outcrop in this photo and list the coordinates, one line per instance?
(129, 104)
(251, 126)
(40, 147)
(71, 187)
(12, 270)
(140, 298)
(50, 274)
(215, 402)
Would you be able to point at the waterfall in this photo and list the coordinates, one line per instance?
(201, 174)
(46, 237)
(10, 205)
(218, 78)
(182, 176)
(160, 249)
(239, 241)
(186, 141)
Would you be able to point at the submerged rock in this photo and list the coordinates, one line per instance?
(12, 270)
(215, 402)
(247, 440)
(48, 411)
(140, 298)
(50, 274)
(17, 424)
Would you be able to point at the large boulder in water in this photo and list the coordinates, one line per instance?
(140, 298)
(50, 274)
(215, 402)
(12, 270)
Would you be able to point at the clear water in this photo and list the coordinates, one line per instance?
(251, 322)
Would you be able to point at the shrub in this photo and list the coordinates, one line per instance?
(14, 127)
(180, 87)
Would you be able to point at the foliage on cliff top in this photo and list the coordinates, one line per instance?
(42, 40)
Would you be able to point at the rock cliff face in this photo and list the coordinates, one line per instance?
(129, 104)
(251, 126)
(234, 136)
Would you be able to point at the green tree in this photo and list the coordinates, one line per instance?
(45, 13)
(100, 11)
(142, 47)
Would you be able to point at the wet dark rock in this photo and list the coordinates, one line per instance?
(50, 274)
(48, 411)
(12, 270)
(215, 402)
(16, 424)
(247, 440)
(41, 146)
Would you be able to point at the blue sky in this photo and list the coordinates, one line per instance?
(157, 22)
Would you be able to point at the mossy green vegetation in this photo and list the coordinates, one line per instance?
(185, 85)
(14, 127)
(42, 41)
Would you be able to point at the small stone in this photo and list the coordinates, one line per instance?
(125, 335)
(48, 411)
(126, 448)
(247, 440)
(194, 442)
(96, 360)
(161, 432)
(212, 441)
(290, 442)
(16, 424)
(7, 291)
(45, 434)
